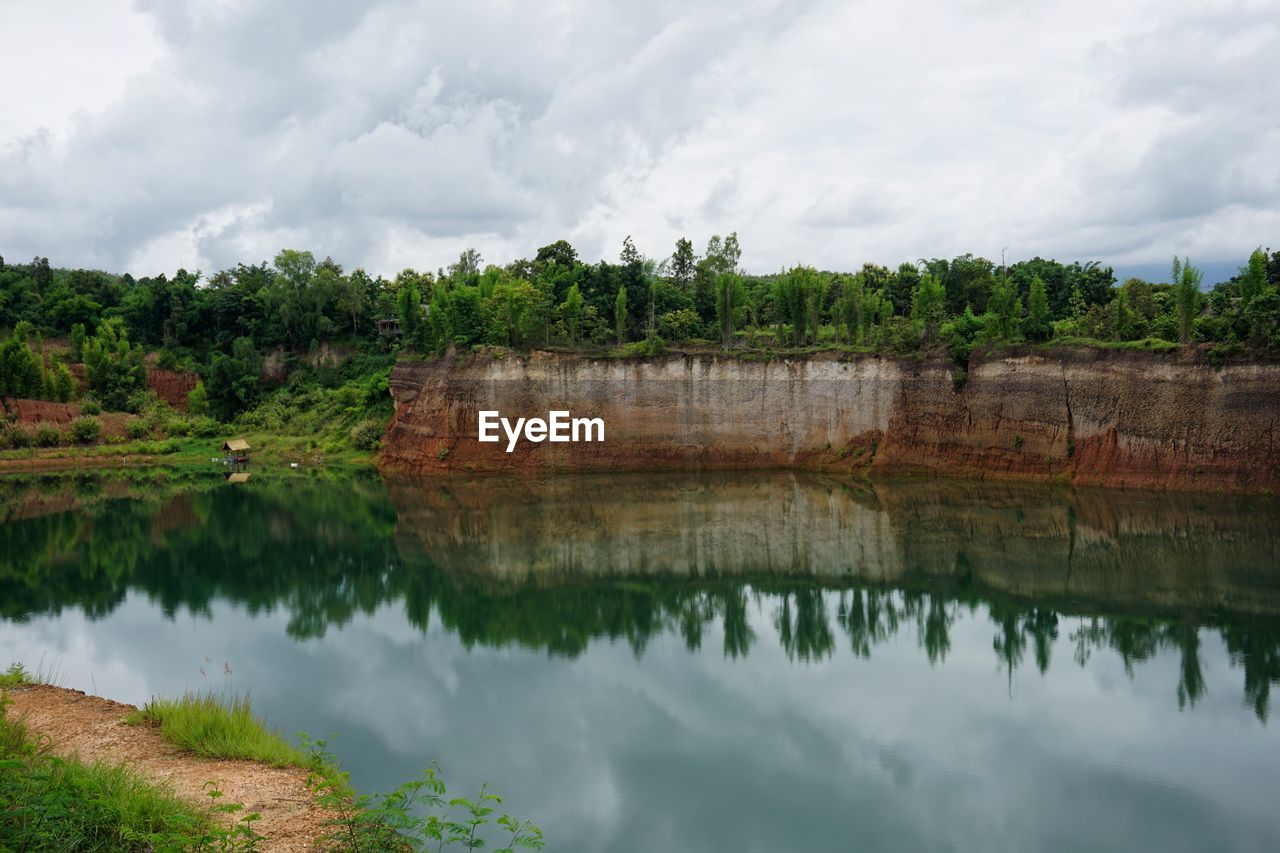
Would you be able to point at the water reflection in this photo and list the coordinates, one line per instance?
(557, 564)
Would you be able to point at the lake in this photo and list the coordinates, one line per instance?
(747, 662)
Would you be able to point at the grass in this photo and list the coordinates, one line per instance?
(51, 803)
(15, 676)
(213, 727)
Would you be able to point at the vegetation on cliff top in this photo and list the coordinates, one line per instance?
(301, 347)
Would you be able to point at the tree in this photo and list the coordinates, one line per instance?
(559, 253)
(683, 263)
(63, 384)
(21, 374)
(730, 298)
(629, 254)
(928, 308)
(232, 381)
(466, 270)
(1253, 278)
(78, 338)
(1076, 306)
(113, 368)
(1186, 280)
(409, 310)
(353, 295)
(198, 400)
(1036, 327)
(620, 315)
(572, 308)
(1005, 308)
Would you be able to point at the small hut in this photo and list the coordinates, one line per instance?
(237, 454)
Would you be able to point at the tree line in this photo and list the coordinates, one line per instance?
(223, 324)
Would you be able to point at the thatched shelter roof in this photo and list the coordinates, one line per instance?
(235, 445)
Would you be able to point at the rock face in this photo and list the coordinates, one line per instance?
(1108, 417)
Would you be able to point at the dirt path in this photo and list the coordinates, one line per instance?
(93, 728)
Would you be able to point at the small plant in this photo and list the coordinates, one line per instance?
(1017, 442)
(138, 430)
(20, 438)
(418, 815)
(15, 676)
(90, 406)
(442, 454)
(47, 435)
(85, 430)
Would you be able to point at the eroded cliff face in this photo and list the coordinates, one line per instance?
(1085, 416)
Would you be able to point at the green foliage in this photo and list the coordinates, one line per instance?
(63, 384)
(138, 429)
(367, 435)
(730, 302)
(198, 399)
(620, 315)
(21, 374)
(681, 325)
(218, 727)
(112, 366)
(419, 815)
(572, 312)
(1036, 326)
(1005, 309)
(1186, 282)
(47, 435)
(232, 382)
(51, 803)
(928, 308)
(84, 430)
(15, 676)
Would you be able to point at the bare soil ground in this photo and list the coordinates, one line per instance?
(91, 729)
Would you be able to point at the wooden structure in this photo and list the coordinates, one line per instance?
(237, 454)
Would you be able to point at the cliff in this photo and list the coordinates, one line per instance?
(1108, 417)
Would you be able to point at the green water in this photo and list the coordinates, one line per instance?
(739, 663)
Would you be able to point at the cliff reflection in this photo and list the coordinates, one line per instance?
(554, 564)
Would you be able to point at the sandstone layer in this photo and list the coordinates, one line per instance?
(1085, 416)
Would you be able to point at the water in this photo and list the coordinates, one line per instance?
(763, 662)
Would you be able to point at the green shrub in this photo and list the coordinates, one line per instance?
(366, 435)
(85, 430)
(177, 427)
(204, 427)
(137, 430)
(47, 435)
(20, 438)
(90, 406)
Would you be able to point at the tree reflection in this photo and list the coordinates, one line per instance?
(327, 548)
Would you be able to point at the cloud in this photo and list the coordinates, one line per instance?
(398, 132)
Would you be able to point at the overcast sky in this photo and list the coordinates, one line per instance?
(142, 136)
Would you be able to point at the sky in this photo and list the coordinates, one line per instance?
(150, 135)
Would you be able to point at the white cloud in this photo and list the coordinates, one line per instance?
(399, 132)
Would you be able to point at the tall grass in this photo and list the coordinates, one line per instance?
(215, 727)
(51, 803)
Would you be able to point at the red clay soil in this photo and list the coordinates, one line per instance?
(91, 729)
(32, 412)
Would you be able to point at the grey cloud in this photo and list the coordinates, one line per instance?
(403, 130)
